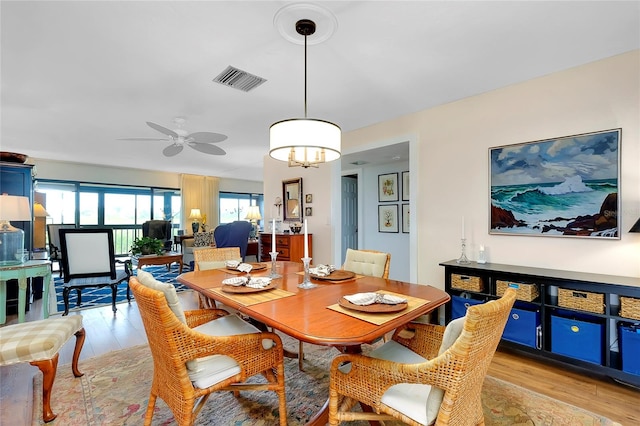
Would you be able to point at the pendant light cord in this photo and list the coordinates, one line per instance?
(305, 76)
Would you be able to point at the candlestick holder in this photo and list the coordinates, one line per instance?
(463, 256)
(274, 273)
(306, 282)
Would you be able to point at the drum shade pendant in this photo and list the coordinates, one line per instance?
(304, 142)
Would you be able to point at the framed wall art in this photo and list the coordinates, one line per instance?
(405, 218)
(388, 218)
(388, 187)
(405, 186)
(308, 211)
(562, 187)
(308, 198)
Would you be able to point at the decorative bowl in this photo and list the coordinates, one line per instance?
(295, 228)
(12, 157)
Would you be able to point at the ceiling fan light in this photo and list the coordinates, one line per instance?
(304, 141)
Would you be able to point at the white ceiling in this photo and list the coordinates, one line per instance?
(78, 75)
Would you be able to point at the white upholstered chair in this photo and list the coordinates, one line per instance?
(371, 263)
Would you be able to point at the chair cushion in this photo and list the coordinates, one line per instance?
(365, 263)
(210, 370)
(146, 279)
(411, 399)
(203, 239)
(36, 340)
(211, 264)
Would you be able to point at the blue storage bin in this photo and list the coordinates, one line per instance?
(523, 327)
(630, 348)
(459, 306)
(577, 338)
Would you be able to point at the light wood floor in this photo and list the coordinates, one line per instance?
(107, 332)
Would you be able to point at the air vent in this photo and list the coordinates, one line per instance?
(238, 79)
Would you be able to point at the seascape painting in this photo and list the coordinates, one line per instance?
(566, 187)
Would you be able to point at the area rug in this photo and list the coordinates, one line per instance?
(114, 391)
(94, 297)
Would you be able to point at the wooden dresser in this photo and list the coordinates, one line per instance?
(289, 247)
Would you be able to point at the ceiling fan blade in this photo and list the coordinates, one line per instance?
(207, 149)
(207, 137)
(173, 149)
(162, 129)
(143, 139)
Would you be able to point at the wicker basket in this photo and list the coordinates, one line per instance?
(630, 307)
(526, 292)
(466, 282)
(581, 300)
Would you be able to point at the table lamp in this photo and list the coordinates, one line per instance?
(195, 216)
(253, 215)
(12, 207)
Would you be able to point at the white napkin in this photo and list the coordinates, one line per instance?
(322, 270)
(244, 267)
(235, 281)
(232, 263)
(364, 299)
(259, 282)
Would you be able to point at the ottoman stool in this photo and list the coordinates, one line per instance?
(38, 343)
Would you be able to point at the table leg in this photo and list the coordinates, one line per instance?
(45, 300)
(22, 298)
(3, 302)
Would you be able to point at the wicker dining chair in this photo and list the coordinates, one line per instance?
(212, 258)
(372, 263)
(426, 374)
(363, 262)
(198, 352)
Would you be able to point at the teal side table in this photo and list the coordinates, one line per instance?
(29, 269)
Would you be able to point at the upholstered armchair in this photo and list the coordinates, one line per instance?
(425, 375)
(199, 241)
(198, 352)
(160, 229)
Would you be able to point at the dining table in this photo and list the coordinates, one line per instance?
(318, 315)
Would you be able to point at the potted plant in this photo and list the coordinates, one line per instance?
(147, 245)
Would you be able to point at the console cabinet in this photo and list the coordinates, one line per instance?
(290, 247)
(574, 318)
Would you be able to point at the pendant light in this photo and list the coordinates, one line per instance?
(304, 142)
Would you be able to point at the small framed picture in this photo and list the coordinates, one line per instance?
(388, 218)
(405, 186)
(308, 198)
(405, 218)
(388, 187)
(308, 211)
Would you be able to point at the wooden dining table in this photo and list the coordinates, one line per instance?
(315, 315)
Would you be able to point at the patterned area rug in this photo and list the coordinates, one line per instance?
(114, 391)
(93, 297)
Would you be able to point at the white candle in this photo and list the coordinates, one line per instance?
(306, 243)
(273, 236)
(462, 226)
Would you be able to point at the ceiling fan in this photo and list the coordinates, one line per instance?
(200, 141)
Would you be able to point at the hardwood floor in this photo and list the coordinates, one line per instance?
(107, 332)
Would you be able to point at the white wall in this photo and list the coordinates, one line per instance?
(61, 170)
(452, 179)
(314, 181)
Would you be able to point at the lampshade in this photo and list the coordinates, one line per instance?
(305, 142)
(14, 207)
(39, 211)
(635, 227)
(253, 213)
(195, 214)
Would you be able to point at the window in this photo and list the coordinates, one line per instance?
(234, 205)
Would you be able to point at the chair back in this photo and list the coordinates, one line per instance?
(160, 229)
(214, 257)
(54, 239)
(234, 234)
(367, 262)
(467, 360)
(87, 253)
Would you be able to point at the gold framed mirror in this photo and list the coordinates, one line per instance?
(292, 199)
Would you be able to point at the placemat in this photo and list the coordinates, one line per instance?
(332, 281)
(381, 318)
(249, 299)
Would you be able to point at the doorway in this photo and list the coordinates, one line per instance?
(349, 186)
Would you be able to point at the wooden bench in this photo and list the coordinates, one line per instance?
(38, 343)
